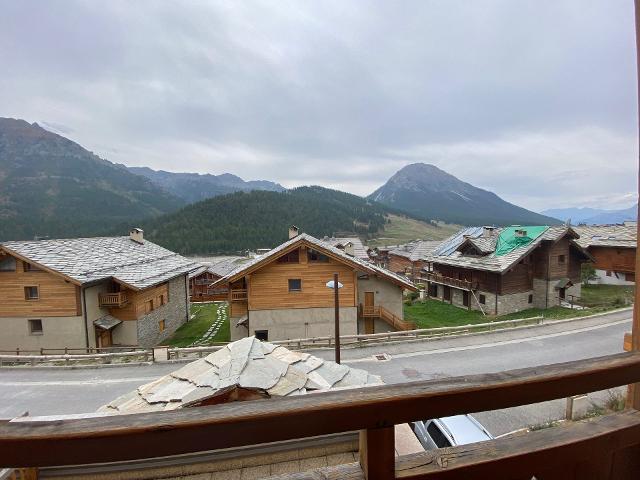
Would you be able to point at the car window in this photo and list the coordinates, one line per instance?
(437, 436)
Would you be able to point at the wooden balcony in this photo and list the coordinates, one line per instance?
(450, 282)
(113, 300)
(239, 295)
(606, 447)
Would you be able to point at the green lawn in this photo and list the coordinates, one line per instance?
(205, 315)
(618, 295)
(434, 313)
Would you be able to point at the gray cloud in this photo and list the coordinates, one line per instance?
(533, 99)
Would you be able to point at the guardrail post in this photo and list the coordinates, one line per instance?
(377, 453)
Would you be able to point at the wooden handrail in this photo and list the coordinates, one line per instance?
(117, 299)
(396, 321)
(147, 435)
(449, 281)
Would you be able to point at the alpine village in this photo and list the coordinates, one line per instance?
(185, 323)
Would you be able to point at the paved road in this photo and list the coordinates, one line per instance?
(56, 391)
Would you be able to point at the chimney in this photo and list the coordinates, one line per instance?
(293, 231)
(488, 231)
(521, 233)
(137, 235)
(349, 250)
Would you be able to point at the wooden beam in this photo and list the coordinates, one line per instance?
(633, 395)
(127, 437)
(377, 453)
(577, 450)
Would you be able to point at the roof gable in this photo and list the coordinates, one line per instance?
(315, 244)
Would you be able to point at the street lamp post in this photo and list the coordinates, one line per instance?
(335, 285)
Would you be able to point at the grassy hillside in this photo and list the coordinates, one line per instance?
(402, 229)
(51, 186)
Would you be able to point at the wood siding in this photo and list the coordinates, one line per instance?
(485, 281)
(519, 278)
(547, 264)
(269, 288)
(138, 305)
(614, 259)
(57, 297)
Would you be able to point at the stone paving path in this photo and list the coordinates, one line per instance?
(221, 317)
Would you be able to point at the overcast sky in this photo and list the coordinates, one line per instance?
(535, 100)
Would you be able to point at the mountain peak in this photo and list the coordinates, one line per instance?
(430, 193)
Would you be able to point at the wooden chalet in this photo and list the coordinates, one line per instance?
(613, 248)
(200, 280)
(410, 259)
(505, 270)
(283, 294)
(90, 293)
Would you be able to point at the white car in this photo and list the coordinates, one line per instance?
(450, 431)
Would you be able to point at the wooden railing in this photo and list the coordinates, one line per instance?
(449, 281)
(602, 445)
(239, 295)
(118, 299)
(370, 311)
(395, 321)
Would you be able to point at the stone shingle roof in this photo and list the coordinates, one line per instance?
(416, 250)
(87, 260)
(247, 363)
(219, 268)
(365, 266)
(359, 249)
(490, 262)
(622, 236)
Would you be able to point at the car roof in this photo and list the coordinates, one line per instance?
(464, 429)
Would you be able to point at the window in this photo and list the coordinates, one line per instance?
(291, 257)
(28, 267)
(315, 256)
(437, 436)
(35, 327)
(295, 285)
(161, 325)
(483, 299)
(31, 293)
(434, 290)
(262, 335)
(7, 264)
(561, 258)
(608, 273)
(162, 301)
(530, 298)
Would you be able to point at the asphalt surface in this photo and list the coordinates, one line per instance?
(42, 391)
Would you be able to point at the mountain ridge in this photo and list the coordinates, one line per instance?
(52, 186)
(593, 216)
(427, 192)
(194, 187)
